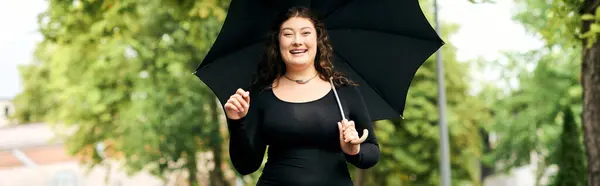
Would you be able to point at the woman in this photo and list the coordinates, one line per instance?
(295, 113)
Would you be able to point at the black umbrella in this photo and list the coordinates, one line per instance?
(379, 44)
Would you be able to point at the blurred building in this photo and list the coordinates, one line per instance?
(6, 108)
(30, 155)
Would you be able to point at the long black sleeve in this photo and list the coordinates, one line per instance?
(246, 147)
(369, 150)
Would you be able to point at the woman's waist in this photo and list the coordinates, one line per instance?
(305, 166)
(304, 153)
(305, 159)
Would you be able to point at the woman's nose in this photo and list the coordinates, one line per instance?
(297, 40)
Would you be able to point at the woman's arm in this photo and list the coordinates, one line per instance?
(246, 147)
(369, 150)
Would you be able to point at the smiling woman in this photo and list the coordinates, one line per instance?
(295, 113)
(298, 43)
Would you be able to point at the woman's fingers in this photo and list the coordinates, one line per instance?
(230, 107)
(232, 104)
(243, 104)
(350, 133)
(348, 124)
(244, 94)
(236, 103)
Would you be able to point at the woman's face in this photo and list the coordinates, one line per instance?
(298, 42)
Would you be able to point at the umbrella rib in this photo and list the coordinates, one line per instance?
(242, 47)
(374, 90)
(333, 12)
(385, 32)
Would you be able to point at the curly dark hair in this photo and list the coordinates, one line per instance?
(272, 67)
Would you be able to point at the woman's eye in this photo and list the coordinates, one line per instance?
(306, 33)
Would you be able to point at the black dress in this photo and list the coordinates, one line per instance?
(303, 139)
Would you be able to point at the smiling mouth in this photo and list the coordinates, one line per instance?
(298, 51)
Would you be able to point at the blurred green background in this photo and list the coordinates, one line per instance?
(119, 72)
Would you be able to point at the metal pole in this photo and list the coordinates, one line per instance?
(444, 147)
(21, 156)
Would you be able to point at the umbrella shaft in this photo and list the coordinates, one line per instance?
(337, 98)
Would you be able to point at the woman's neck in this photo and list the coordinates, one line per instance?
(301, 74)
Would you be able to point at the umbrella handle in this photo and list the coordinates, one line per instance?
(337, 98)
(365, 131)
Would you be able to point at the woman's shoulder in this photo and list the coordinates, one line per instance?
(259, 91)
(260, 94)
(349, 89)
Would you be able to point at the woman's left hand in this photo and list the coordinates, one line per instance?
(349, 140)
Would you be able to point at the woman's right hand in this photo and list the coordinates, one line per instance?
(237, 105)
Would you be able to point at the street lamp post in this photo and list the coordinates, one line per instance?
(444, 147)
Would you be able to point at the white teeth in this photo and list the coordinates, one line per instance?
(298, 51)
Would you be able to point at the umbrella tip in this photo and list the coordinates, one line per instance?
(401, 116)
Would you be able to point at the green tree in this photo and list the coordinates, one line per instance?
(569, 23)
(570, 157)
(118, 73)
(526, 119)
(410, 147)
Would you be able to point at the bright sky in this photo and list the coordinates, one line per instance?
(485, 30)
(18, 38)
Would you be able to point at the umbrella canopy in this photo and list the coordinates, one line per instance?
(379, 44)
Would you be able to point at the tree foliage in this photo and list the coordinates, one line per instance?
(528, 118)
(557, 21)
(410, 147)
(570, 156)
(534, 106)
(120, 73)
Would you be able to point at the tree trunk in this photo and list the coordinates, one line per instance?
(590, 78)
(360, 177)
(379, 178)
(192, 169)
(487, 148)
(217, 177)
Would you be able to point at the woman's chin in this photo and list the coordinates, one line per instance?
(296, 60)
(298, 63)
